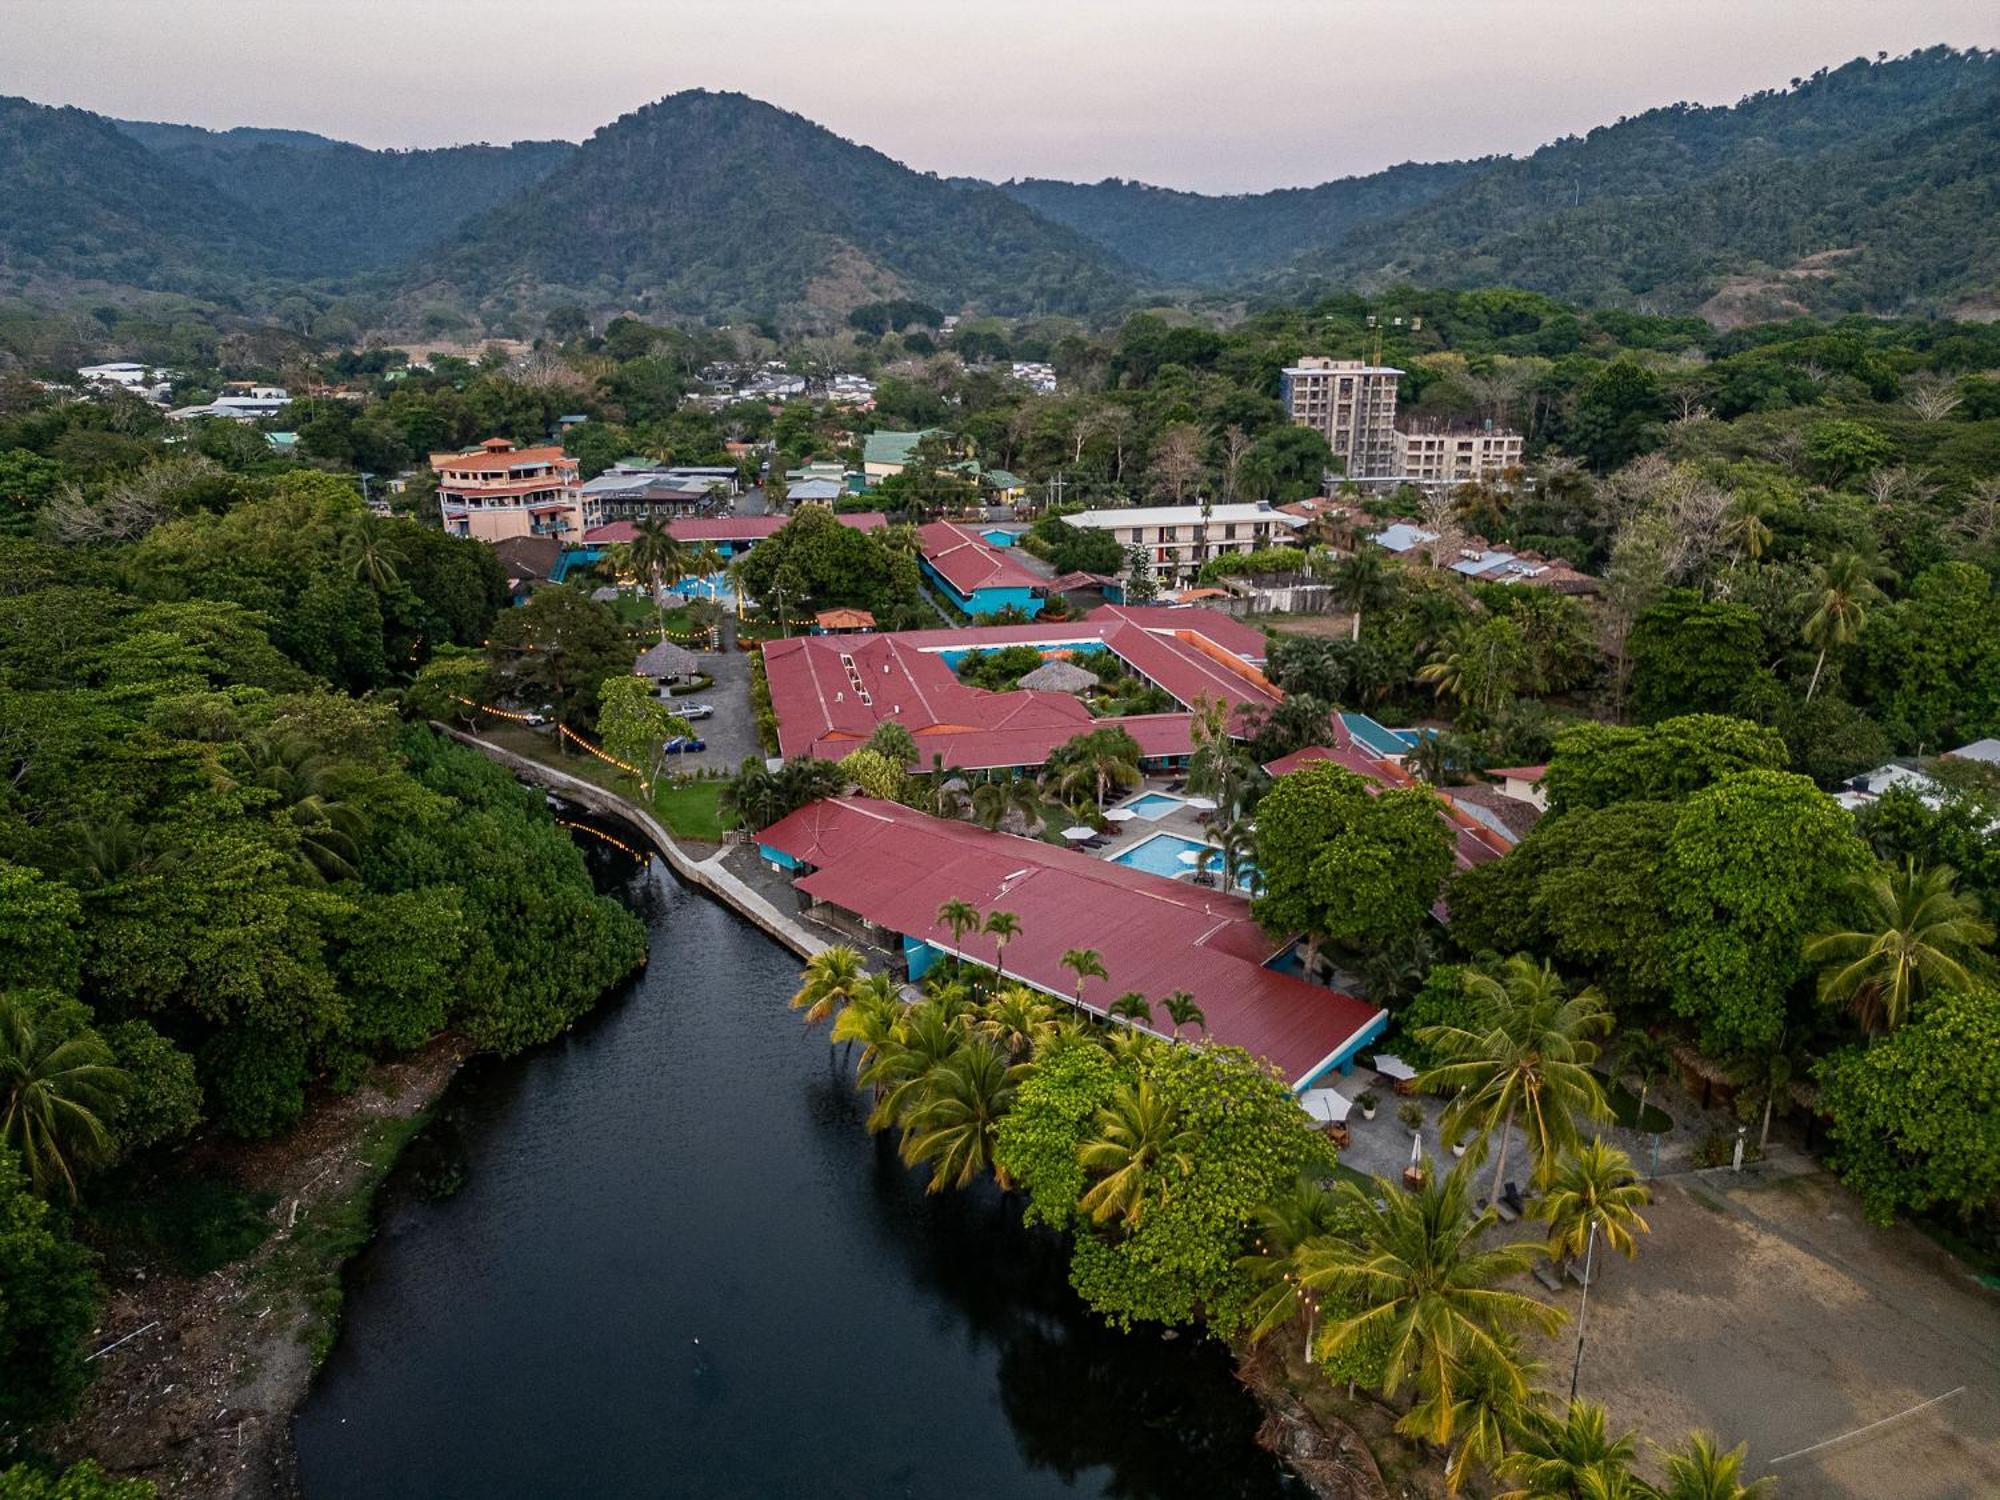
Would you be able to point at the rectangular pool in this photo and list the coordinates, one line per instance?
(1161, 854)
(1155, 805)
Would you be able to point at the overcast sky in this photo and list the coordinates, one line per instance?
(1218, 95)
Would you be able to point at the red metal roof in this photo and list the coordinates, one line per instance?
(724, 528)
(1226, 631)
(894, 866)
(967, 561)
(830, 692)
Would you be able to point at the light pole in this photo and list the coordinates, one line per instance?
(1583, 1308)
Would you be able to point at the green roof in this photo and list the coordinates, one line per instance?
(893, 447)
(1000, 479)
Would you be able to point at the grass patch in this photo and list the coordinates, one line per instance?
(309, 1265)
(691, 809)
(193, 1224)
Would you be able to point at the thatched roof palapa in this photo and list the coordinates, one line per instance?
(1059, 677)
(667, 660)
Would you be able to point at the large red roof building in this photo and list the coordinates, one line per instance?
(892, 867)
(499, 491)
(830, 692)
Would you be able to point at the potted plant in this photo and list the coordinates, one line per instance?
(1366, 1102)
(1458, 1145)
(1411, 1114)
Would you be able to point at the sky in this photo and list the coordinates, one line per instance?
(1212, 95)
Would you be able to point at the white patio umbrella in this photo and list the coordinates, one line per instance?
(1189, 856)
(1120, 814)
(1325, 1105)
(1202, 804)
(1077, 833)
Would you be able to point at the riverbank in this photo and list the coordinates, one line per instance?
(202, 1374)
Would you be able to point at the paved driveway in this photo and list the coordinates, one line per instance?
(732, 733)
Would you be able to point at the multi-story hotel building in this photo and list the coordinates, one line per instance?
(1437, 456)
(497, 491)
(1178, 539)
(1350, 403)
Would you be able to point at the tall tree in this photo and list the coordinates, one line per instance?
(1138, 1140)
(55, 1094)
(1842, 593)
(1918, 932)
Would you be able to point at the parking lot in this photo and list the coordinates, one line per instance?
(732, 733)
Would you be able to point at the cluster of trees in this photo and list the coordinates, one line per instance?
(1192, 1188)
(227, 880)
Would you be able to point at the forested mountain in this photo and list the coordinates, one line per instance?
(340, 208)
(80, 201)
(1880, 177)
(716, 204)
(1200, 240)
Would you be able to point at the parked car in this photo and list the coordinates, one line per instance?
(693, 711)
(680, 744)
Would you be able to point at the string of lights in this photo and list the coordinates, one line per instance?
(637, 854)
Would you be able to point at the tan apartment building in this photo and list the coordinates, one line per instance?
(1432, 454)
(1350, 403)
(1178, 539)
(497, 491)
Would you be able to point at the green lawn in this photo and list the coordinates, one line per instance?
(689, 810)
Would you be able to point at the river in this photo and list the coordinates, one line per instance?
(663, 1257)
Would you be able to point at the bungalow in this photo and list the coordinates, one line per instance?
(978, 577)
(886, 454)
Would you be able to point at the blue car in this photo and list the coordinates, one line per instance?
(680, 744)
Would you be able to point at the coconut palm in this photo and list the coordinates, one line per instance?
(1237, 843)
(1131, 1006)
(371, 554)
(960, 917)
(54, 1092)
(1085, 963)
(1705, 1470)
(953, 1127)
(1097, 762)
(305, 797)
(1138, 1139)
(1003, 927)
(1017, 1020)
(991, 803)
(1744, 527)
(1363, 583)
(1526, 1054)
(1300, 1215)
(1918, 935)
(1482, 1410)
(902, 1071)
(1425, 1290)
(1182, 1011)
(1595, 1184)
(1841, 595)
(1572, 1455)
(655, 556)
(870, 1018)
(829, 982)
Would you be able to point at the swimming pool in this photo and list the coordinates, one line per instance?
(1161, 854)
(714, 586)
(1155, 805)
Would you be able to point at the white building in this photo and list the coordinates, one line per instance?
(1350, 403)
(253, 400)
(1178, 539)
(1038, 376)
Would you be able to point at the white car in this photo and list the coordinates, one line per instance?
(693, 711)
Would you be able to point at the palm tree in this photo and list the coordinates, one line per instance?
(1705, 1470)
(1572, 1457)
(1766, 1074)
(1216, 757)
(53, 1094)
(990, 803)
(1595, 1185)
(1302, 1214)
(1526, 1053)
(959, 916)
(1744, 527)
(1425, 1289)
(902, 1071)
(1237, 842)
(953, 1128)
(304, 784)
(1919, 933)
(1841, 595)
(753, 795)
(1017, 1020)
(1099, 761)
(1363, 582)
(829, 982)
(1085, 963)
(367, 549)
(1644, 1059)
(1138, 1138)
(1131, 1006)
(1003, 927)
(654, 555)
(870, 1018)
(1482, 1411)
(1182, 1011)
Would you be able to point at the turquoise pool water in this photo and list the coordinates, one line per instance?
(1161, 855)
(1155, 805)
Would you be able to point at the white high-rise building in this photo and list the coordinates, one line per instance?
(1350, 403)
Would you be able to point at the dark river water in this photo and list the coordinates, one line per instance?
(663, 1257)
